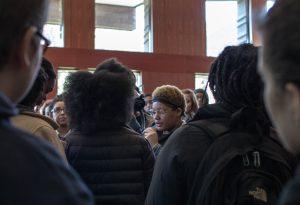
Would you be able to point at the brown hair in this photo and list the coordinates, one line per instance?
(169, 95)
(192, 95)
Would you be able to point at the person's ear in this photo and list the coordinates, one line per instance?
(179, 112)
(293, 98)
(28, 47)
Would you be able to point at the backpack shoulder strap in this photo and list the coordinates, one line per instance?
(211, 164)
(214, 128)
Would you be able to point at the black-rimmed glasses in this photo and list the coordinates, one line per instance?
(45, 42)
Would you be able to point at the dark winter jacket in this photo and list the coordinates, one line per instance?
(31, 171)
(162, 139)
(117, 165)
(176, 166)
(291, 193)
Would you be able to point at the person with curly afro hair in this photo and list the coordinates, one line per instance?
(114, 161)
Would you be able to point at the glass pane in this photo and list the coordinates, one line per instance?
(55, 34)
(116, 33)
(65, 73)
(221, 25)
(200, 82)
(53, 29)
(138, 76)
(270, 3)
(62, 75)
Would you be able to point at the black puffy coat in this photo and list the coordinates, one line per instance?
(116, 165)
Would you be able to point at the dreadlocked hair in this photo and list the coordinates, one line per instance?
(233, 78)
(234, 81)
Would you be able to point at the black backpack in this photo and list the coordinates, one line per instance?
(239, 168)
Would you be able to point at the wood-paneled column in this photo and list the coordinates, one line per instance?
(79, 23)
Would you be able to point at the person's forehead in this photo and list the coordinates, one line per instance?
(59, 104)
(159, 105)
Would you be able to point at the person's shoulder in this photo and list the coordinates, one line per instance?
(30, 122)
(26, 143)
(134, 138)
(186, 132)
(130, 133)
(187, 141)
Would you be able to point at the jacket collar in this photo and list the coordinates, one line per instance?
(243, 119)
(218, 110)
(29, 111)
(7, 108)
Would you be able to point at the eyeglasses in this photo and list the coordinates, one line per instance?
(45, 42)
(58, 110)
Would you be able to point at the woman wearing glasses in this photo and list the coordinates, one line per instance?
(168, 112)
(57, 112)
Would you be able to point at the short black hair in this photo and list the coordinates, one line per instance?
(36, 91)
(50, 74)
(148, 95)
(233, 78)
(16, 16)
(103, 100)
(205, 95)
(281, 34)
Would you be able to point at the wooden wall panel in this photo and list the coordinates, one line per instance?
(182, 80)
(258, 8)
(157, 69)
(79, 23)
(179, 26)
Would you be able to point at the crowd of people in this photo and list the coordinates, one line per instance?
(104, 142)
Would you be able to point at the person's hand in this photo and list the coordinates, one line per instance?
(151, 135)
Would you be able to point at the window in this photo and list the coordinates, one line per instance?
(138, 77)
(200, 82)
(53, 28)
(270, 3)
(62, 74)
(122, 25)
(227, 23)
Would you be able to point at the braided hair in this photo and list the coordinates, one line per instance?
(234, 81)
(233, 78)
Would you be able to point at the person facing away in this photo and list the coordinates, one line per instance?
(280, 70)
(139, 119)
(50, 84)
(58, 114)
(34, 122)
(191, 104)
(31, 171)
(168, 111)
(182, 165)
(114, 161)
